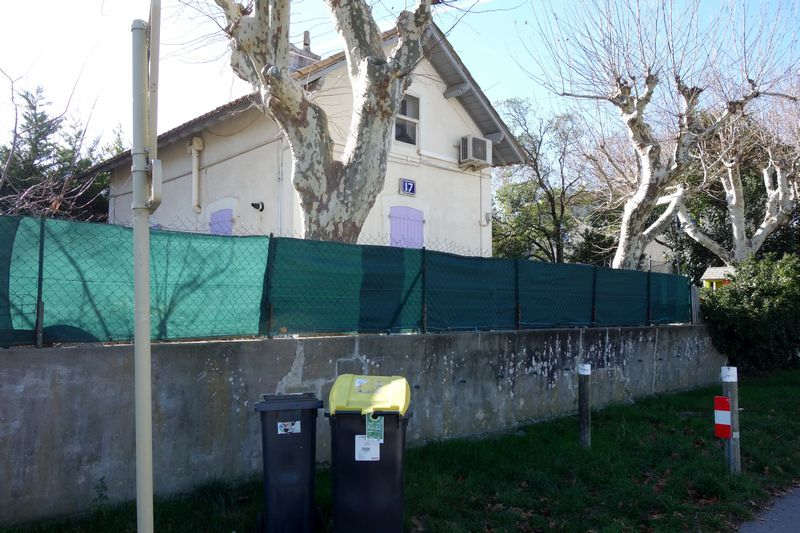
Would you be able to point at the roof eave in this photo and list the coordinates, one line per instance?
(316, 71)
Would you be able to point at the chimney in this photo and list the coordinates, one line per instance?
(307, 41)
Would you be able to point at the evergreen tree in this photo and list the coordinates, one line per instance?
(47, 170)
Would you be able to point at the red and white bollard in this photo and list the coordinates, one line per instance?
(722, 417)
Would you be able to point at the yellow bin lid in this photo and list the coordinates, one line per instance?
(368, 394)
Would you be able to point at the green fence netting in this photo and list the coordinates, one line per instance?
(670, 299)
(465, 293)
(205, 286)
(621, 297)
(554, 294)
(201, 285)
(19, 268)
(334, 287)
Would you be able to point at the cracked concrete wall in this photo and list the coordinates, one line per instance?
(66, 413)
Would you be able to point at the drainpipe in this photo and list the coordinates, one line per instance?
(151, 64)
(483, 220)
(280, 186)
(141, 275)
(195, 148)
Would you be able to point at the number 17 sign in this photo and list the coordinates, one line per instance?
(408, 187)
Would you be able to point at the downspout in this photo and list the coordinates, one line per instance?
(483, 220)
(280, 186)
(195, 147)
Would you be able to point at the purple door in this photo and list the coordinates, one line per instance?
(221, 222)
(406, 227)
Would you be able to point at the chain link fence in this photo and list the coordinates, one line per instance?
(73, 282)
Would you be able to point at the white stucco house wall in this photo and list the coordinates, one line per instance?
(240, 182)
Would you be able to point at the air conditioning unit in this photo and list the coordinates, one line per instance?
(475, 152)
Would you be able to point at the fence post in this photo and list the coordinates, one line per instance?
(584, 404)
(266, 303)
(594, 296)
(649, 314)
(730, 388)
(517, 309)
(39, 328)
(694, 304)
(424, 276)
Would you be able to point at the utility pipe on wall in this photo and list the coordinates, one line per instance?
(195, 148)
(141, 277)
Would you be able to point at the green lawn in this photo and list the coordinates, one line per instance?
(654, 465)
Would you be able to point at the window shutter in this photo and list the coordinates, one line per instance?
(406, 227)
(221, 222)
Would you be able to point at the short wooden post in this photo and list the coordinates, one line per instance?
(730, 388)
(584, 404)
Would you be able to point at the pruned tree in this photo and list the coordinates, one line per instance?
(746, 146)
(336, 195)
(43, 166)
(538, 209)
(662, 69)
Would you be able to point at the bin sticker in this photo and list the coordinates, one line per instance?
(367, 386)
(375, 427)
(367, 449)
(289, 427)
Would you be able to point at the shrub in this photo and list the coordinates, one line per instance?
(755, 320)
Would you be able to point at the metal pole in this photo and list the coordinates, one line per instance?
(141, 276)
(39, 328)
(268, 282)
(730, 388)
(649, 314)
(594, 296)
(424, 291)
(517, 308)
(584, 403)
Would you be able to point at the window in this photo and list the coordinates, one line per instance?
(405, 125)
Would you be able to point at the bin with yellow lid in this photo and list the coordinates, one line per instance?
(369, 417)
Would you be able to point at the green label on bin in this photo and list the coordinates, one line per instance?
(375, 427)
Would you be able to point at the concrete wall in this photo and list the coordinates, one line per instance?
(66, 413)
(246, 160)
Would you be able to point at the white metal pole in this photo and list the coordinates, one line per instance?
(141, 277)
(730, 388)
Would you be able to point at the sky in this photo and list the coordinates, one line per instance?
(79, 52)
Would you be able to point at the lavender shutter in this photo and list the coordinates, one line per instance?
(406, 227)
(221, 222)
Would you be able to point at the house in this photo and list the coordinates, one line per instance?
(715, 277)
(229, 170)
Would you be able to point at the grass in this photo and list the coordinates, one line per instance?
(653, 466)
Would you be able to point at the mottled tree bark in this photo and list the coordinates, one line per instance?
(336, 195)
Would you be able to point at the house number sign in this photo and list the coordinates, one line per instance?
(408, 187)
